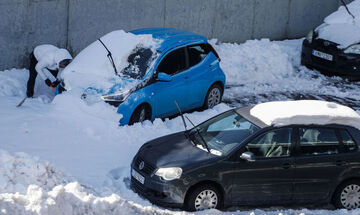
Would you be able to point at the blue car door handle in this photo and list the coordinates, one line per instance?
(214, 63)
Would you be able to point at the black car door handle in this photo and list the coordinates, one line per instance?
(286, 166)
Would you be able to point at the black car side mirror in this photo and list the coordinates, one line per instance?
(248, 156)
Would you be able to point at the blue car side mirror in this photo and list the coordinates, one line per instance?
(163, 77)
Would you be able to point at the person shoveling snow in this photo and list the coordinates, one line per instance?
(48, 61)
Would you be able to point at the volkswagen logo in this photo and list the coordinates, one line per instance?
(326, 43)
(141, 165)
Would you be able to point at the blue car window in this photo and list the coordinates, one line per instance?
(197, 53)
(138, 62)
(348, 141)
(173, 63)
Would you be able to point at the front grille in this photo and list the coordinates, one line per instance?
(326, 45)
(147, 169)
(138, 186)
(145, 192)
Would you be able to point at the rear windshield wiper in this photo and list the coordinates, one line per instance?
(109, 55)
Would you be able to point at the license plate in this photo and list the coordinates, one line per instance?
(322, 55)
(137, 176)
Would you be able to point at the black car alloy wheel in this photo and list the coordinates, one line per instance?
(203, 197)
(348, 195)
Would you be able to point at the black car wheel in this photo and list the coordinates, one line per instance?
(140, 114)
(348, 195)
(204, 197)
(213, 97)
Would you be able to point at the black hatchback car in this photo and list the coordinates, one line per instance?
(236, 158)
(334, 47)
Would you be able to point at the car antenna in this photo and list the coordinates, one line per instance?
(346, 7)
(181, 114)
(109, 55)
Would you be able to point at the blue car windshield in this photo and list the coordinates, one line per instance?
(223, 132)
(139, 62)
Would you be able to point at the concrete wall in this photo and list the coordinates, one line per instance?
(76, 23)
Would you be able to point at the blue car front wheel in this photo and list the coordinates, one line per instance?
(141, 113)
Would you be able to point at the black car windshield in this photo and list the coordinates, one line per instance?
(223, 132)
(139, 61)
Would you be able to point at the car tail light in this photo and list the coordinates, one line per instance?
(216, 54)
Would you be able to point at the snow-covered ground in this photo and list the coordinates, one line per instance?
(63, 156)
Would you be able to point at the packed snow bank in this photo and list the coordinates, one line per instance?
(340, 27)
(262, 70)
(19, 171)
(92, 67)
(305, 112)
(13, 83)
(70, 199)
(250, 62)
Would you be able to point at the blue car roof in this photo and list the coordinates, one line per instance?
(171, 37)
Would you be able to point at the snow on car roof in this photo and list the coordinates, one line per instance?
(305, 112)
(170, 36)
(340, 27)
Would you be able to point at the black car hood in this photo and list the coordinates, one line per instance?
(173, 150)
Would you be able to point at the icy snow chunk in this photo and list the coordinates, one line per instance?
(306, 112)
(19, 171)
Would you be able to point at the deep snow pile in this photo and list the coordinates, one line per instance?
(263, 70)
(305, 112)
(92, 67)
(85, 141)
(19, 171)
(340, 27)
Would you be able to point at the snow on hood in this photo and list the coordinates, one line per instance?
(92, 68)
(340, 27)
(305, 112)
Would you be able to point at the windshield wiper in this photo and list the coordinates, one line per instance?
(347, 9)
(205, 145)
(109, 55)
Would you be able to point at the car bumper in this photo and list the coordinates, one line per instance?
(167, 194)
(347, 65)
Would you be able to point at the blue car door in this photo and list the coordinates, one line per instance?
(165, 93)
(199, 74)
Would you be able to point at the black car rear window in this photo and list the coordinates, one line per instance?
(318, 141)
(349, 143)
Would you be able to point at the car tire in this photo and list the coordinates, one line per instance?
(203, 197)
(140, 114)
(347, 195)
(213, 96)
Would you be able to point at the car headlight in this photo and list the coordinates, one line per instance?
(116, 97)
(169, 173)
(310, 36)
(355, 49)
